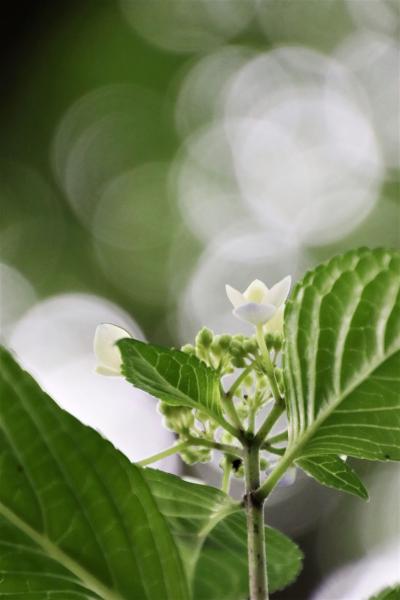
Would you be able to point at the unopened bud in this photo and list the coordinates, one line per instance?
(188, 349)
(204, 337)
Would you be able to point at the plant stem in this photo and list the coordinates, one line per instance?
(238, 382)
(267, 364)
(226, 448)
(279, 437)
(258, 583)
(163, 454)
(270, 421)
(190, 441)
(280, 469)
(231, 412)
(226, 478)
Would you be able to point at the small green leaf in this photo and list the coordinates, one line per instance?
(210, 529)
(332, 471)
(172, 376)
(77, 520)
(342, 358)
(221, 572)
(392, 593)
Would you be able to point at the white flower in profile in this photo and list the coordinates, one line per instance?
(258, 304)
(108, 356)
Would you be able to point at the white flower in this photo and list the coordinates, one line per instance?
(108, 356)
(258, 304)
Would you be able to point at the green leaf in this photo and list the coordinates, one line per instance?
(77, 520)
(211, 532)
(191, 510)
(172, 376)
(342, 358)
(332, 471)
(221, 572)
(392, 593)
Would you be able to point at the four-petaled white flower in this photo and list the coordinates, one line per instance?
(258, 304)
(108, 356)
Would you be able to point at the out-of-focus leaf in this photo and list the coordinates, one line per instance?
(342, 358)
(392, 593)
(77, 520)
(211, 532)
(172, 376)
(332, 471)
(221, 572)
(191, 510)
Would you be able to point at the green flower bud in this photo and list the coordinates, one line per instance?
(204, 337)
(225, 341)
(215, 346)
(238, 362)
(194, 455)
(263, 464)
(273, 341)
(239, 338)
(188, 349)
(236, 349)
(250, 346)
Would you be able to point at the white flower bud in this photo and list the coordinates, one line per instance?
(108, 356)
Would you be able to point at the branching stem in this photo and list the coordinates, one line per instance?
(270, 421)
(190, 441)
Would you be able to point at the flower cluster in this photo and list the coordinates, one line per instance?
(225, 354)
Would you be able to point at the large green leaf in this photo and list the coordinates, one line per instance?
(342, 358)
(332, 471)
(172, 376)
(77, 520)
(221, 572)
(211, 531)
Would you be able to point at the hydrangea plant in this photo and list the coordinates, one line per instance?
(78, 520)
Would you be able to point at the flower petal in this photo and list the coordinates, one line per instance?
(279, 292)
(107, 353)
(236, 297)
(254, 313)
(106, 371)
(256, 292)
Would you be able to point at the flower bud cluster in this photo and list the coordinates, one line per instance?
(223, 353)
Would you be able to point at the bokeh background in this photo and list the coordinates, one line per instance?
(152, 151)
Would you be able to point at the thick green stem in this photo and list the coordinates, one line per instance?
(258, 583)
